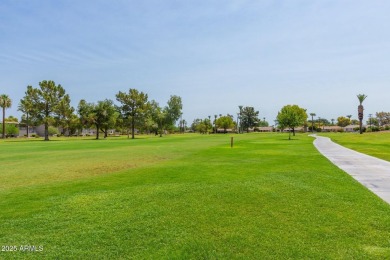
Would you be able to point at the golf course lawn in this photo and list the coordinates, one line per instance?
(185, 197)
(376, 144)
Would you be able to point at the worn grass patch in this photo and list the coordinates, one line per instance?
(186, 196)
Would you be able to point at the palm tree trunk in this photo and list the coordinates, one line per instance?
(3, 122)
(360, 114)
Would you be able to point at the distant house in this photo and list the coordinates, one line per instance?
(264, 129)
(351, 128)
(221, 130)
(32, 130)
(296, 129)
(334, 128)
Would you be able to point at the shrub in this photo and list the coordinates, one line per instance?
(53, 131)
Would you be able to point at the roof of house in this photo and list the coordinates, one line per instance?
(352, 126)
(332, 127)
(265, 128)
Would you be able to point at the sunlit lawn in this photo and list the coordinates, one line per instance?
(185, 197)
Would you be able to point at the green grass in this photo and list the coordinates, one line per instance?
(376, 144)
(185, 197)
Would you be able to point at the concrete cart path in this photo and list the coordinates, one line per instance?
(372, 172)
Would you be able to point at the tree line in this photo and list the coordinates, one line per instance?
(247, 118)
(50, 105)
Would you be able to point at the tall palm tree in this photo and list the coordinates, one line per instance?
(5, 102)
(361, 98)
(312, 121)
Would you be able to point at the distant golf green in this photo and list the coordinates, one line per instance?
(376, 144)
(185, 197)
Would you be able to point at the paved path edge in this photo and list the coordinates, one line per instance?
(371, 172)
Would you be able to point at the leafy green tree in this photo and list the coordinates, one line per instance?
(173, 110)
(102, 115)
(201, 126)
(26, 107)
(166, 117)
(74, 124)
(372, 122)
(262, 123)
(45, 102)
(225, 122)
(354, 122)
(195, 123)
(10, 129)
(159, 116)
(383, 118)
(64, 114)
(291, 116)
(361, 98)
(134, 106)
(5, 102)
(249, 118)
(343, 121)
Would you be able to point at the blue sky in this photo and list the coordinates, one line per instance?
(216, 55)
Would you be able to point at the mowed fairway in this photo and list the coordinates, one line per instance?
(185, 197)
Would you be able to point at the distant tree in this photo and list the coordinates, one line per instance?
(166, 117)
(325, 121)
(134, 107)
(173, 110)
(182, 125)
(12, 119)
(45, 101)
(5, 102)
(383, 118)
(102, 115)
(74, 124)
(372, 121)
(64, 114)
(201, 125)
(10, 129)
(225, 122)
(263, 123)
(249, 117)
(361, 98)
(195, 124)
(291, 116)
(354, 122)
(343, 121)
(26, 107)
(159, 116)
